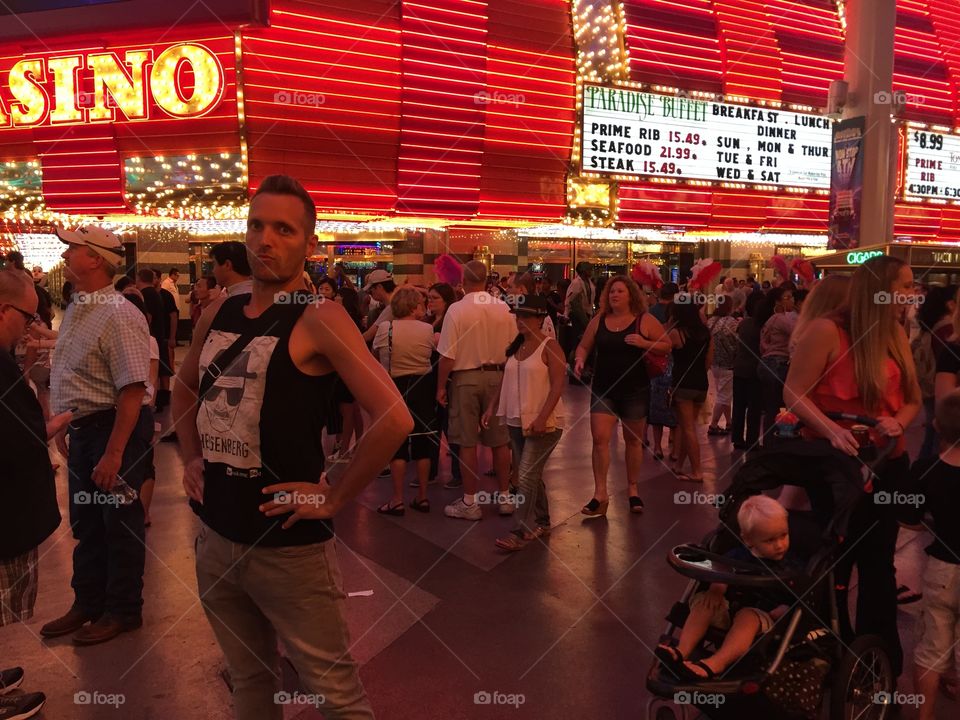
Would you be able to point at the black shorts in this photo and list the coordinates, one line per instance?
(419, 392)
(630, 406)
(164, 366)
(418, 446)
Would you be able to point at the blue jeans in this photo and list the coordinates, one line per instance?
(109, 557)
(532, 454)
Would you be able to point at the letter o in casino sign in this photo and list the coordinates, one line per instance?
(207, 83)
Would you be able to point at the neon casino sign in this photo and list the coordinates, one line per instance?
(858, 258)
(52, 90)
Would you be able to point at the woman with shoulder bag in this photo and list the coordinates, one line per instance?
(405, 345)
(627, 338)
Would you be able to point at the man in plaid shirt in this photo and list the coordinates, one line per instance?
(100, 369)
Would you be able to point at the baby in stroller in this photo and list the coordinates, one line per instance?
(765, 535)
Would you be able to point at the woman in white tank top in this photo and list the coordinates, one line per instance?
(529, 399)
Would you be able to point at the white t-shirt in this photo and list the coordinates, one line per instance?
(412, 346)
(154, 355)
(477, 331)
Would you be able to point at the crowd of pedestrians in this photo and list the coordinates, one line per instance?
(391, 375)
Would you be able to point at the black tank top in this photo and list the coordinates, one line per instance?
(259, 425)
(619, 367)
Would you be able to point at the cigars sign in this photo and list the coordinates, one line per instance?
(176, 81)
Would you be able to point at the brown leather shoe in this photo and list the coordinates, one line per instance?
(69, 623)
(106, 628)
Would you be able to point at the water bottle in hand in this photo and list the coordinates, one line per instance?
(123, 492)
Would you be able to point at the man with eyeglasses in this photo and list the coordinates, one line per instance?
(28, 493)
(101, 366)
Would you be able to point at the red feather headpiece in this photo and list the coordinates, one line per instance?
(703, 273)
(646, 273)
(779, 264)
(448, 270)
(804, 269)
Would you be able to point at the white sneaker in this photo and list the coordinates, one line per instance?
(507, 506)
(460, 509)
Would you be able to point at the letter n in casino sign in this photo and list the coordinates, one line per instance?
(83, 112)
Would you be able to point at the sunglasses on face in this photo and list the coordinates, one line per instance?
(234, 394)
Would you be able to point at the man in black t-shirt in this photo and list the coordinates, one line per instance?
(28, 493)
(935, 488)
(154, 305)
(948, 368)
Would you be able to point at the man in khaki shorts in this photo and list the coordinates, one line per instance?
(473, 344)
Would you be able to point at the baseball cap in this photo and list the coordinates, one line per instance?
(377, 277)
(103, 242)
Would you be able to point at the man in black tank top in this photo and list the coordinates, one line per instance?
(262, 365)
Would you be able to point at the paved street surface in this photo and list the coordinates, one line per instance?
(566, 626)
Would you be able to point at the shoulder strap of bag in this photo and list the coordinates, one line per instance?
(222, 362)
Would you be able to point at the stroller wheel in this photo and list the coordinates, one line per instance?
(863, 682)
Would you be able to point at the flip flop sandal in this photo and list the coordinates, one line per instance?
(905, 595)
(636, 504)
(388, 509)
(688, 478)
(690, 674)
(420, 506)
(669, 656)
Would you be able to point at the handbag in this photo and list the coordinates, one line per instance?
(655, 363)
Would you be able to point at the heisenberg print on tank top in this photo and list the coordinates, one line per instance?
(229, 418)
(260, 424)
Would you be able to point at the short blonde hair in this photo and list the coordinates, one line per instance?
(405, 301)
(757, 508)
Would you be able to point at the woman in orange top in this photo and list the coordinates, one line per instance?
(859, 361)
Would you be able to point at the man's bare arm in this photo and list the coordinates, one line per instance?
(336, 338)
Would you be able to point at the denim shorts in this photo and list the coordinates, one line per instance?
(629, 406)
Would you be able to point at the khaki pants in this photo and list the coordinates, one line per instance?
(252, 595)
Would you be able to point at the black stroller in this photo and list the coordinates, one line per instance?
(811, 653)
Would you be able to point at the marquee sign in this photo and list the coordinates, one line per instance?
(933, 165)
(179, 81)
(627, 132)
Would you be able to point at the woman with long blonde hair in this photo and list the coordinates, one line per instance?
(623, 332)
(827, 297)
(859, 362)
